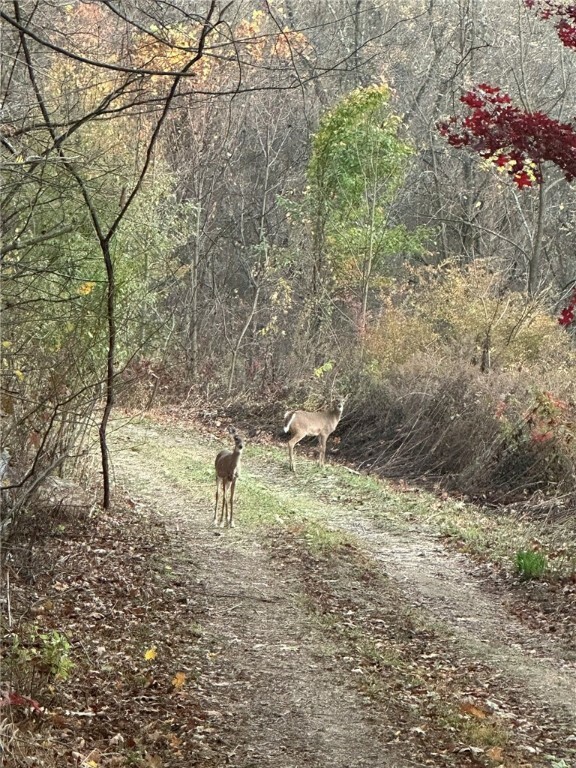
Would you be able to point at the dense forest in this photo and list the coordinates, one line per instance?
(271, 204)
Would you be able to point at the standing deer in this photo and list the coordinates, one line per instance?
(227, 467)
(302, 424)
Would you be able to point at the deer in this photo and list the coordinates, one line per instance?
(227, 465)
(302, 424)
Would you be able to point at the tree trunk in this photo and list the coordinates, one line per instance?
(193, 309)
(534, 265)
(109, 381)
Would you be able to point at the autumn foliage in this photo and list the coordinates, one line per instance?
(567, 314)
(513, 139)
(516, 141)
(563, 14)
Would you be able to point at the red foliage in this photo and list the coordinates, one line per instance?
(510, 137)
(516, 140)
(567, 314)
(548, 418)
(16, 700)
(564, 15)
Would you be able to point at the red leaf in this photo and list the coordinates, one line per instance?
(522, 180)
(563, 13)
(12, 699)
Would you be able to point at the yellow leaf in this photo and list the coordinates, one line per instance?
(495, 753)
(6, 344)
(92, 760)
(150, 653)
(19, 375)
(86, 288)
(178, 680)
(470, 709)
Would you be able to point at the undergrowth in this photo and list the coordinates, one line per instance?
(530, 564)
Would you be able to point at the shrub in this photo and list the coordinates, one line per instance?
(397, 338)
(530, 564)
(36, 659)
(467, 383)
(425, 418)
(468, 313)
(538, 443)
(490, 436)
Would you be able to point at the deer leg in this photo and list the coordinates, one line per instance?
(231, 518)
(215, 519)
(291, 445)
(322, 444)
(224, 511)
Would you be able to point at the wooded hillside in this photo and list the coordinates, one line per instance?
(268, 204)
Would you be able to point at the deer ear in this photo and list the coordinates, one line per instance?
(232, 430)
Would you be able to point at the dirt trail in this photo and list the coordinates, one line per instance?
(287, 710)
(278, 701)
(275, 700)
(440, 582)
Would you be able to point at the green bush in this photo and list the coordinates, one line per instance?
(530, 564)
(36, 659)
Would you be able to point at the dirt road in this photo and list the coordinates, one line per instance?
(380, 650)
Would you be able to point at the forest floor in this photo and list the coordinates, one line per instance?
(336, 626)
